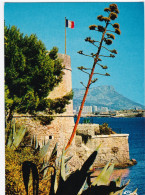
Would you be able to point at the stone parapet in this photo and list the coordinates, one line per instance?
(88, 129)
(114, 148)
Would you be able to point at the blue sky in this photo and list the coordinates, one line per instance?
(46, 20)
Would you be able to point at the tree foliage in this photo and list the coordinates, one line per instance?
(31, 73)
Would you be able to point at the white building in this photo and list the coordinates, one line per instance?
(95, 109)
(104, 109)
(86, 109)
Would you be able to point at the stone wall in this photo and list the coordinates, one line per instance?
(114, 147)
(88, 129)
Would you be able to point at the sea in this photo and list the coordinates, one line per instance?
(135, 127)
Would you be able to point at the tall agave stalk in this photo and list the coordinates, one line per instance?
(112, 15)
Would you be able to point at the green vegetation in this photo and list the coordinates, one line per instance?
(86, 121)
(17, 152)
(31, 73)
(85, 138)
(105, 129)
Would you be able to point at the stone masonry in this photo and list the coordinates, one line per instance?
(88, 129)
(114, 147)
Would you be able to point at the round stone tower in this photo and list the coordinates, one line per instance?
(62, 125)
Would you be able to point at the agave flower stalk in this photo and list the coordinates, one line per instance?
(112, 16)
(87, 89)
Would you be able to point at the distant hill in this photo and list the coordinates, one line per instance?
(104, 96)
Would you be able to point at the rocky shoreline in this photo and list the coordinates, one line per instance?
(127, 164)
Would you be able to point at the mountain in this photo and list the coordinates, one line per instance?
(104, 96)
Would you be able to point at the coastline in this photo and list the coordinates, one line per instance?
(125, 165)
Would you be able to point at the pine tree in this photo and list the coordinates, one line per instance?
(31, 73)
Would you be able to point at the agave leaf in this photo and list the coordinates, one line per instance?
(30, 179)
(101, 174)
(14, 129)
(33, 141)
(53, 155)
(119, 190)
(105, 178)
(76, 180)
(26, 168)
(36, 142)
(72, 185)
(110, 189)
(82, 188)
(58, 187)
(44, 150)
(134, 192)
(10, 138)
(67, 159)
(45, 172)
(118, 181)
(59, 158)
(53, 176)
(88, 163)
(44, 141)
(118, 184)
(56, 181)
(14, 125)
(44, 168)
(98, 147)
(62, 171)
(18, 137)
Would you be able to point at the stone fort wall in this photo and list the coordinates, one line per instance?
(114, 148)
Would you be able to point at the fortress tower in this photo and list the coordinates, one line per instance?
(61, 127)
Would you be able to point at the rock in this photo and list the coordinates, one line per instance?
(134, 161)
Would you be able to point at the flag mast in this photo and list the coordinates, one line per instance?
(65, 35)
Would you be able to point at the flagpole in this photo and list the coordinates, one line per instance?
(65, 35)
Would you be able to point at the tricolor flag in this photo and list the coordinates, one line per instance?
(69, 24)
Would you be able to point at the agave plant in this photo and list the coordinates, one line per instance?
(76, 183)
(14, 136)
(15, 155)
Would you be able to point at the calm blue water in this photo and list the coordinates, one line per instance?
(135, 127)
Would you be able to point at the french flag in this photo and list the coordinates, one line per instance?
(70, 24)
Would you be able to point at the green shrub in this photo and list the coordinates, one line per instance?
(105, 129)
(86, 121)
